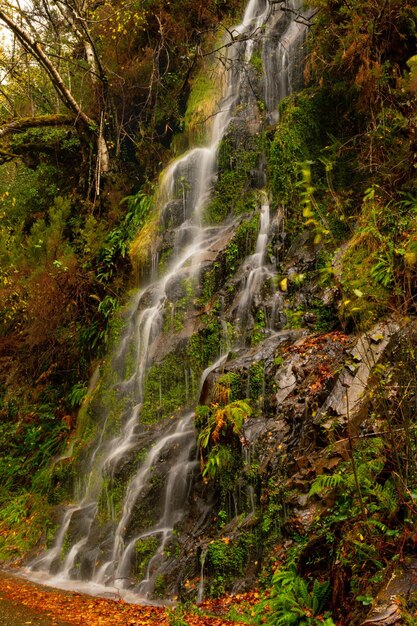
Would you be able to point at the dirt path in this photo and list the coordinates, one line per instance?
(23, 603)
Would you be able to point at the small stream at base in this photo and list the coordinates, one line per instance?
(80, 557)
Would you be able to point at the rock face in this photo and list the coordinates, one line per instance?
(386, 608)
(347, 402)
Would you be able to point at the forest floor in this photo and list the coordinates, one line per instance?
(23, 603)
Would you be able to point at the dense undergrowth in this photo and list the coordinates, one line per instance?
(341, 169)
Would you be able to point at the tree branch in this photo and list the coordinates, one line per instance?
(24, 123)
(36, 50)
(299, 17)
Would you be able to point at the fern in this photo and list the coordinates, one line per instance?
(321, 595)
(326, 481)
(219, 436)
(219, 458)
(303, 593)
(292, 602)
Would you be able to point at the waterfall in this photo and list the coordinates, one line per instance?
(99, 560)
(255, 270)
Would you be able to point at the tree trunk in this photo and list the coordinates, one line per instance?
(36, 50)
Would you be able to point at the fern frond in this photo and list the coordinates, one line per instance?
(303, 593)
(326, 481)
(321, 595)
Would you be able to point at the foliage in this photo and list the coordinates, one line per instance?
(144, 550)
(222, 424)
(296, 140)
(173, 383)
(203, 99)
(24, 519)
(294, 601)
(79, 609)
(238, 157)
(382, 246)
(226, 559)
(358, 43)
(341, 166)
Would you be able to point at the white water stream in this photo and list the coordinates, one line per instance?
(111, 569)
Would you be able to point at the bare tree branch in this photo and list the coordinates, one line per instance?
(36, 50)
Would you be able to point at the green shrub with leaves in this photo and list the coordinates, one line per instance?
(295, 601)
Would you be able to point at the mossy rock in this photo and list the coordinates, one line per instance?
(238, 161)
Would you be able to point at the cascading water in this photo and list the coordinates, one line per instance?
(255, 269)
(102, 558)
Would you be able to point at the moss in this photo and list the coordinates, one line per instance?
(258, 331)
(202, 102)
(256, 62)
(364, 299)
(256, 380)
(206, 345)
(145, 548)
(173, 383)
(110, 500)
(232, 384)
(326, 316)
(175, 312)
(208, 283)
(294, 317)
(227, 559)
(250, 383)
(233, 193)
(145, 242)
(167, 388)
(242, 244)
(55, 482)
(160, 586)
(312, 129)
(292, 144)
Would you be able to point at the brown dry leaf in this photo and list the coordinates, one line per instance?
(78, 610)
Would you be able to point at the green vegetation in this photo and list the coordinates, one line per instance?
(173, 383)
(238, 156)
(227, 559)
(221, 423)
(292, 602)
(201, 105)
(324, 504)
(25, 520)
(144, 550)
(256, 61)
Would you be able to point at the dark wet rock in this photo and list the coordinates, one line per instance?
(348, 400)
(386, 609)
(173, 214)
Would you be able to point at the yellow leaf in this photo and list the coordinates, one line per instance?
(410, 258)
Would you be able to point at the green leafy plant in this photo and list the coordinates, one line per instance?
(77, 394)
(296, 601)
(223, 425)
